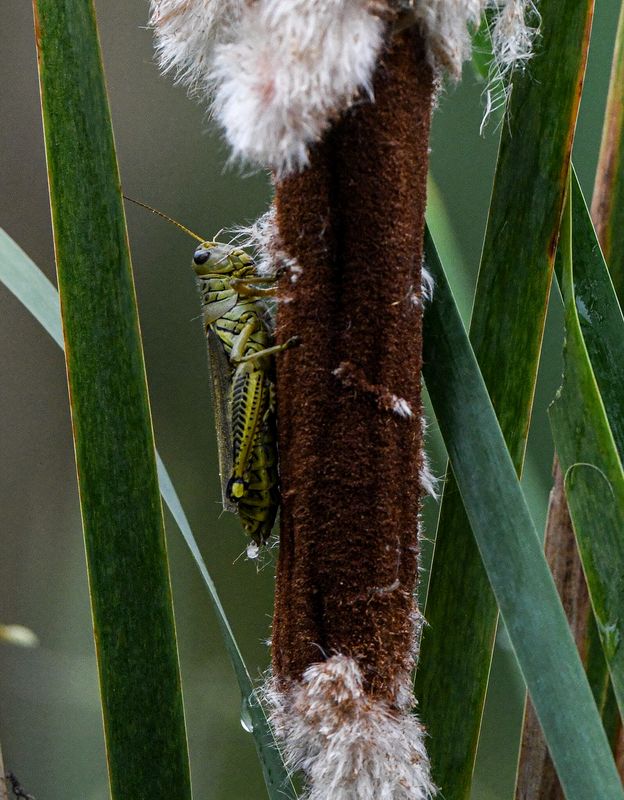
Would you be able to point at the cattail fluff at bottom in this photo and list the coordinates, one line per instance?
(349, 745)
(279, 72)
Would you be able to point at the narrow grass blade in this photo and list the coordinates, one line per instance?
(506, 332)
(512, 554)
(122, 518)
(608, 200)
(32, 288)
(278, 782)
(588, 426)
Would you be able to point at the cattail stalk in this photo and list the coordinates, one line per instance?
(350, 433)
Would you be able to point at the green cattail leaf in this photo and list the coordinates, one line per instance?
(33, 289)
(122, 518)
(587, 420)
(506, 332)
(512, 554)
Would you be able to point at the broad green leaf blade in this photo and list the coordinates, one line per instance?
(506, 331)
(608, 202)
(122, 518)
(588, 426)
(512, 554)
(28, 283)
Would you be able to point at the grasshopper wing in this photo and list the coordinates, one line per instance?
(221, 382)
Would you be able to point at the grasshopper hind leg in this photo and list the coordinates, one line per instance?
(257, 508)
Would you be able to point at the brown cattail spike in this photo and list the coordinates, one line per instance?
(350, 430)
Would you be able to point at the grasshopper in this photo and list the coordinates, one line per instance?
(240, 347)
(239, 333)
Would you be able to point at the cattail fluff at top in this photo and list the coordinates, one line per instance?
(186, 32)
(280, 71)
(294, 66)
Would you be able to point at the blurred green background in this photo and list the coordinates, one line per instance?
(170, 157)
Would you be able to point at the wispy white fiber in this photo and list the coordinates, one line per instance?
(427, 284)
(513, 31)
(350, 746)
(447, 26)
(428, 481)
(292, 68)
(186, 32)
(263, 239)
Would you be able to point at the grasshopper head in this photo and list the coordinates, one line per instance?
(214, 258)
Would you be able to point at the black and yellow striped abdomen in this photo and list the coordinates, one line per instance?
(241, 327)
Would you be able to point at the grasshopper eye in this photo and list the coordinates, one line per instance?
(201, 255)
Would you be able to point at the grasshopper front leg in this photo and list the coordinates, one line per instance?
(269, 351)
(248, 287)
(241, 342)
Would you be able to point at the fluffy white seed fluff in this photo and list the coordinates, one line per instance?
(262, 238)
(401, 407)
(280, 71)
(186, 32)
(447, 24)
(19, 635)
(427, 284)
(428, 481)
(350, 746)
(292, 68)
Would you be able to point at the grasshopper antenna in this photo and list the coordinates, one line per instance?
(165, 216)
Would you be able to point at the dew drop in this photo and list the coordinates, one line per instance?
(245, 717)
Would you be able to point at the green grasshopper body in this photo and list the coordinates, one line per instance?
(242, 364)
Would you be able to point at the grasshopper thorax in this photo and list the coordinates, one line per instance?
(215, 258)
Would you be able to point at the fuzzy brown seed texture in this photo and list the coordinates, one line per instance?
(353, 221)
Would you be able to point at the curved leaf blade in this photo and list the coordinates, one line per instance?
(512, 554)
(506, 331)
(587, 419)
